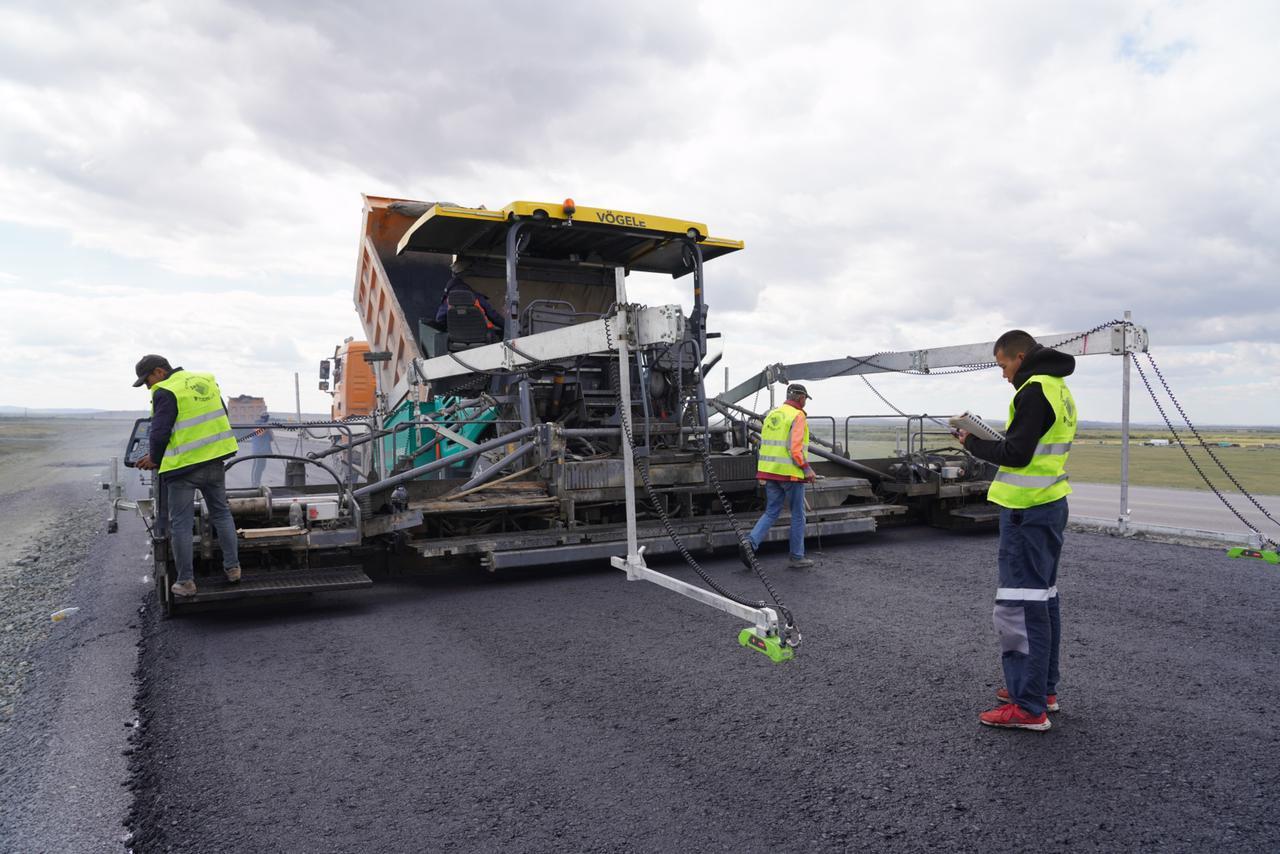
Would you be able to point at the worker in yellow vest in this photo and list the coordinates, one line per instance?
(190, 436)
(783, 467)
(1031, 488)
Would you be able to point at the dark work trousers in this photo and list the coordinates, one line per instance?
(180, 488)
(1027, 615)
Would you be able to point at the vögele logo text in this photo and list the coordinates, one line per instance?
(619, 219)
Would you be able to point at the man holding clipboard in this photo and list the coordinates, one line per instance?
(1031, 488)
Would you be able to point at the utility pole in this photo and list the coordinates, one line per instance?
(297, 401)
(1123, 521)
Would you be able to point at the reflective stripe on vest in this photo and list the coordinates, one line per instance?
(201, 431)
(1044, 479)
(1029, 481)
(198, 443)
(199, 419)
(774, 455)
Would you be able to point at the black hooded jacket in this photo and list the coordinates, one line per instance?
(1032, 414)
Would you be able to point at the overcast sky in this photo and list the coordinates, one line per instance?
(185, 178)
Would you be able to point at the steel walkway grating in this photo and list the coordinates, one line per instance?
(215, 588)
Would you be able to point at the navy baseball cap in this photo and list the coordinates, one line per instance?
(797, 390)
(147, 364)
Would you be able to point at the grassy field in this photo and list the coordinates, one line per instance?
(17, 436)
(1095, 456)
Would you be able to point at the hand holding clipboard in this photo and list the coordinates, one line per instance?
(969, 424)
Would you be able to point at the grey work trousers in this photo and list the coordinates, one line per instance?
(180, 493)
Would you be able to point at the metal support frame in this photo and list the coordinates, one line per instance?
(458, 438)
(1122, 339)
(515, 241)
(1072, 343)
(1125, 349)
(395, 480)
(115, 493)
(634, 561)
(663, 324)
(764, 619)
(494, 470)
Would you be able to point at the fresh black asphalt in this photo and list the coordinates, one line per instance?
(574, 711)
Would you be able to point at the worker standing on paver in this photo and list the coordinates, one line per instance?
(1031, 488)
(190, 436)
(260, 442)
(784, 467)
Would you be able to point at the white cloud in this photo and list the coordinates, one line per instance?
(903, 175)
(78, 343)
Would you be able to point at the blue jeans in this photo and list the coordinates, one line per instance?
(1027, 614)
(777, 493)
(180, 493)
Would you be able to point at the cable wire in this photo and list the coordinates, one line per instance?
(1177, 438)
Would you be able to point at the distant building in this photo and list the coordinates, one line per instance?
(245, 409)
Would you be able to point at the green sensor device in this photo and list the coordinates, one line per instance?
(770, 645)
(1261, 554)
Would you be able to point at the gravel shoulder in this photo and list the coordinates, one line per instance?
(66, 688)
(575, 711)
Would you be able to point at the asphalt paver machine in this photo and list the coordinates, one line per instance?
(520, 388)
(512, 441)
(516, 443)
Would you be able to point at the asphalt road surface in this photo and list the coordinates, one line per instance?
(574, 711)
(1181, 508)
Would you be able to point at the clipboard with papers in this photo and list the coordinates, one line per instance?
(974, 425)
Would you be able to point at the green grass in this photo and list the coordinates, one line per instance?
(1095, 456)
(1097, 461)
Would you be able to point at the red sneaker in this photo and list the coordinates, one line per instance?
(1013, 717)
(1050, 702)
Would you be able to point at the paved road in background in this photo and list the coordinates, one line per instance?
(1184, 508)
(574, 711)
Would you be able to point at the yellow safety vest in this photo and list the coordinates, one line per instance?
(775, 443)
(202, 431)
(1044, 479)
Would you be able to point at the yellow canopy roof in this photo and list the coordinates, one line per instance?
(596, 236)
